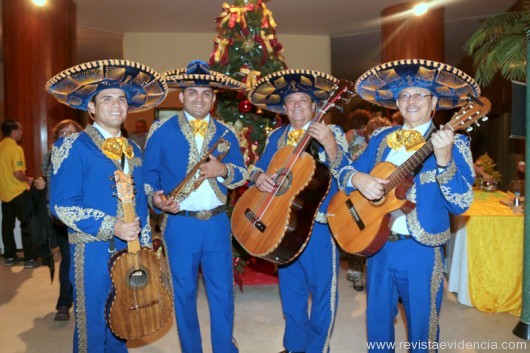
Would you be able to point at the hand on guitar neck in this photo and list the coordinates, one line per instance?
(323, 134)
(213, 168)
(127, 231)
(165, 204)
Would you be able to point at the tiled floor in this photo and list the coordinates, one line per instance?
(27, 303)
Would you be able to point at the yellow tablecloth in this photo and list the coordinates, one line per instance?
(495, 253)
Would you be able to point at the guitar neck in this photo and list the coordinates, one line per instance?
(408, 166)
(129, 215)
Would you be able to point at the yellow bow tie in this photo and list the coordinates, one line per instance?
(294, 136)
(115, 147)
(199, 127)
(411, 139)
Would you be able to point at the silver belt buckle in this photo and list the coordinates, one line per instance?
(204, 215)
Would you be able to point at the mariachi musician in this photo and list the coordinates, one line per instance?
(81, 195)
(409, 265)
(198, 234)
(297, 93)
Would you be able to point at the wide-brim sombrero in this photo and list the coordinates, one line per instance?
(269, 92)
(75, 87)
(381, 84)
(198, 74)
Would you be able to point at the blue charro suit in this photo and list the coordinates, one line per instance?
(170, 154)
(411, 269)
(81, 196)
(314, 272)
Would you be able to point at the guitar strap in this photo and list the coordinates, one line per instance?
(313, 148)
(112, 245)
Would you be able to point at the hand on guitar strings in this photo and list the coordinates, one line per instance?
(264, 182)
(127, 231)
(369, 186)
(212, 169)
(323, 134)
(442, 142)
(165, 204)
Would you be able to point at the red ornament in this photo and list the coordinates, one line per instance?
(245, 106)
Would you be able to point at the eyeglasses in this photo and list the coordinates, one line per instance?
(416, 96)
(66, 133)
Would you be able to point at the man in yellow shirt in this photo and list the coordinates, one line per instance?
(14, 194)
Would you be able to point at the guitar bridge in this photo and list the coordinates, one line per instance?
(255, 220)
(354, 214)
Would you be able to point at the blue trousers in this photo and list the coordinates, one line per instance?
(191, 243)
(90, 274)
(413, 272)
(313, 273)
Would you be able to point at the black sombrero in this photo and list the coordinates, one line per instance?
(75, 87)
(198, 74)
(381, 84)
(270, 91)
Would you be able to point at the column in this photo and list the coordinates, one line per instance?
(406, 36)
(38, 42)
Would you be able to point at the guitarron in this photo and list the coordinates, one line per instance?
(276, 226)
(139, 303)
(360, 226)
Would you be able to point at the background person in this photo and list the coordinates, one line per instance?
(14, 194)
(59, 230)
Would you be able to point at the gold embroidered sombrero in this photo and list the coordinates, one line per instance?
(270, 91)
(75, 87)
(381, 84)
(198, 74)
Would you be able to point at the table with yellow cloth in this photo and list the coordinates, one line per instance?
(486, 255)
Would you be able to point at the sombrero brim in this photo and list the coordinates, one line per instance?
(268, 93)
(76, 86)
(179, 79)
(381, 84)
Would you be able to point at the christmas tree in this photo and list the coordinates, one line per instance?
(246, 48)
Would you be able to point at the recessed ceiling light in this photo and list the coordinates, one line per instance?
(421, 9)
(39, 2)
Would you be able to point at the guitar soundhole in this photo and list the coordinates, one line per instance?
(287, 180)
(138, 278)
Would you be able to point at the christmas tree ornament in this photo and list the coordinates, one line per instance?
(245, 106)
(248, 45)
(251, 76)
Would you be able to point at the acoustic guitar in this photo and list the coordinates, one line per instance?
(139, 303)
(276, 226)
(361, 226)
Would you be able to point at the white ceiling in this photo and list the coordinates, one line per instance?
(353, 25)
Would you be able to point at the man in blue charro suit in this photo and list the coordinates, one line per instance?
(199, 234)
(81, 186)
(296, 93)
(409, 265)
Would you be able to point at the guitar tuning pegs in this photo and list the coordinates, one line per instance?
(476, 123)
(113, 186)
(484, 118)
(114, 194)
(469, 129)
(111, 178)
